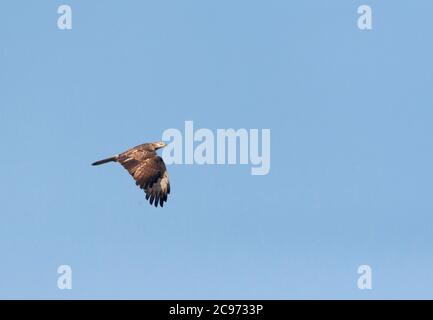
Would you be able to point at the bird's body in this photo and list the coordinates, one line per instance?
(147, 169)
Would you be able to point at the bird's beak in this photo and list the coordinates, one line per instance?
(161, 145)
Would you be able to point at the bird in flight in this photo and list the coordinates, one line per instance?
(147, 169)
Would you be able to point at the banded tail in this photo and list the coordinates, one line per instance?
(111, 159)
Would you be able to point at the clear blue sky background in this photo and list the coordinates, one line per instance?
(351, 166)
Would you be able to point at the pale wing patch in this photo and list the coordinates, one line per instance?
(159, 190)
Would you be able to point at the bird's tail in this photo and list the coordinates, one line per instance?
(97, 163)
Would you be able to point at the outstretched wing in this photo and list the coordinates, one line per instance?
(159, 190)
(149, 173)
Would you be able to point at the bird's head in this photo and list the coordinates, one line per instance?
(159, 145)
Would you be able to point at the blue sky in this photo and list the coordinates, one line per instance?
(351, 149)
